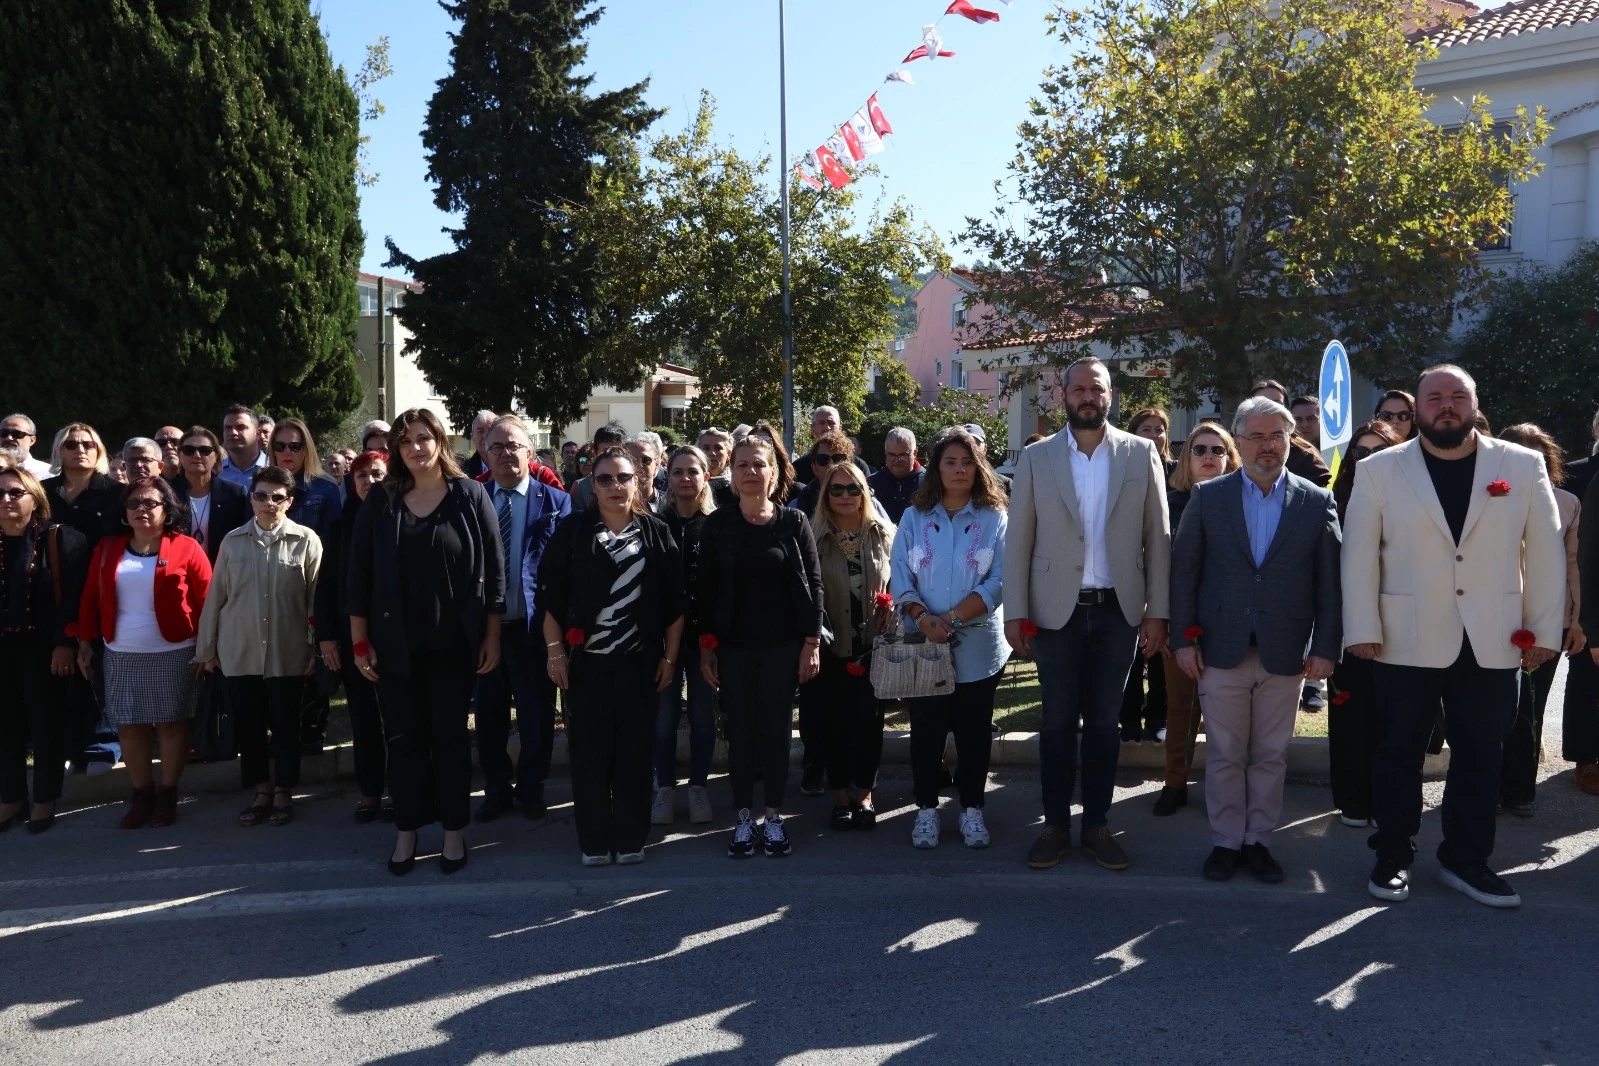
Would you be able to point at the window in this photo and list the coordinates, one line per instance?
(369, 298)
(957, 312)
(938, 367)
(957, 375)
(899, 344)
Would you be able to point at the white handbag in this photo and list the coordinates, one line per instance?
(907, 667)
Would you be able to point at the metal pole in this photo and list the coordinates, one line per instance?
(782, 140)
(383, 337)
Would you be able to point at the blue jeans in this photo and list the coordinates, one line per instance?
(521, 675)
(1082, 672)
(701, 722)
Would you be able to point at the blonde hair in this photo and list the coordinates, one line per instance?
(1182, 476)
(705, 503)
(313, 465)
(41, 502)
(822, 520)
(102, 461)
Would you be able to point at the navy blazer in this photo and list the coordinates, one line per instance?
(1293, 601)
(546, 506)
(230, 509)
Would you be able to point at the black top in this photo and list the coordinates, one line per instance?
(687, 532)
(895, 493)
(617, 626)
(760, 579)
(430, 552)
(734, 552)
(332, 612)
(16, 580)
(1451, 480)
(37, 601)
(97, 511)
(576, 576)
(1588, 559)
(1176, 501)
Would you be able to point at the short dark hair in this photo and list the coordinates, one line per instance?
(273, 475)
(1301, 400)
(241, 409)
(1267, 383)
(175, 516)
(612, 434)
(564, 443)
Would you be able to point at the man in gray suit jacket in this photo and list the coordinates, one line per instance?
(1254, 591)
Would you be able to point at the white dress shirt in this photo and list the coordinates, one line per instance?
(1091, 480)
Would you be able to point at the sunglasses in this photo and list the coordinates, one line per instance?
(169, 442)
(79, 445)
(274, 498)
(1359, 452)
(823, 459)
(1207, 449)
(842, 490)
(605, 481)
(288, 445)
(197, 449)
(1394, 416)
(142, 505)
(14, 434)
(12, 495)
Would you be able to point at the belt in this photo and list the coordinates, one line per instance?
(1095, 597)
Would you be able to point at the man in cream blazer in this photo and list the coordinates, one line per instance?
(1454, 577)
(1087, 564)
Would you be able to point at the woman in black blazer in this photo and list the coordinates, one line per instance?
(426, 587)
(760, 603)
(611, 592)
(216, 507)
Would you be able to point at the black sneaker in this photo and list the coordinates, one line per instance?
(773, 839)
(742, 846)
(811, 782)
(1260, 862)
(1389, 881)
(1481, 884)
(1171, 797)
(1220, 864)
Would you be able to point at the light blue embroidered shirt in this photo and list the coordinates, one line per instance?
(240, 475)
(515, 608)
(938, 561)
(1262, 513)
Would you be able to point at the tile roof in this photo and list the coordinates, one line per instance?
(1514, 19)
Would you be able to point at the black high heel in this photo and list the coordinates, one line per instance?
(450, 866)
(405, 865)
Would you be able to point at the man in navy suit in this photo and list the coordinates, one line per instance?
(1256, 609)
(528, 510)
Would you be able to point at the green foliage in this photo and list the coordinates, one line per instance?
(374, 68)
(1225, 184)
(1534, 352)
(515, 316)
(954, 407)
(690, 255)
(669, 436)
(180, 228)
(1136, 392)
(896, 385)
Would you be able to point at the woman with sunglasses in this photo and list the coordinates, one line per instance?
(610, 586)
(216, 507)
(1397, 409)
(143, 597)
(426, 593)
(854, 548)
(257, 627)
(1208, 453)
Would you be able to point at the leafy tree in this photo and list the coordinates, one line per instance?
(689, 249)
(896, 386)
(1228, 183)
(954, 407)
(516, 315)
(1534, 352)
(180, 229)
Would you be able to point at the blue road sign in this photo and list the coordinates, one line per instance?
(1337, 418)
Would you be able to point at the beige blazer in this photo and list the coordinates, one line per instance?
(876, 552)
(1410, 588)
(1044, 544)
(258, 610)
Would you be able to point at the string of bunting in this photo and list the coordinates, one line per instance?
(829, 163)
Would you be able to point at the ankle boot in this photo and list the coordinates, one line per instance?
(166, 806)
(140, 806)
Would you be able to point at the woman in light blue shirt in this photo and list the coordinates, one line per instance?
(948, 566)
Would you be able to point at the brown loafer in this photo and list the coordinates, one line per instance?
(1588, 778)
(1106, 851)
(1050, 848)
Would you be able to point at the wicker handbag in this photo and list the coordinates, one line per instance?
(908, 666)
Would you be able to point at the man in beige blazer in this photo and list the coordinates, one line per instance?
(1454, 577)
(1087, 562)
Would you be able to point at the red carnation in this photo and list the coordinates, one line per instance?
(1523, 639)
(708, 642)
(361, 648)
(883, 599)
(1193, 633)
(1029, 628)
(1499, 488)
(855, 669)
(1340, 698)
(574, 636)
(310, 619)
(73, 630)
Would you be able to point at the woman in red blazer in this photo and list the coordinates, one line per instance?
(143, 598)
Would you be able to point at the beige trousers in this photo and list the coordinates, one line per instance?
(1249, 720)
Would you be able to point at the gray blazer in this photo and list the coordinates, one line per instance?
(1293, 601)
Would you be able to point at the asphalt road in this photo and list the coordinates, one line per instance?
(210, 944)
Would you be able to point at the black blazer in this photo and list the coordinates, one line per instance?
(230, 509)
(58, 626)
(575, 578)
(724, 530)
(374, 581)
(96, 513)
(332, 598)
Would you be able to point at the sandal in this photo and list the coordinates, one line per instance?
(255, 813)
(282, 815)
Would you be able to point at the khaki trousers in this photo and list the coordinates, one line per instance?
(1249, 720)
(1182, 722)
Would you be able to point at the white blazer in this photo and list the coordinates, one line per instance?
(1410, 588)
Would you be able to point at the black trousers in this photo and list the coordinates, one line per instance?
(33, 709)
(852, 724)
(611, 738)
(1352, 735)
(263, 705)
(757, 700)
(1580, 733)
(965, 712)
(430, 750)
(1144, 714)
(366, 726)
(1479, 706)
(1518, 776)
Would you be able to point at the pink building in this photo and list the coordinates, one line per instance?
(933, 354)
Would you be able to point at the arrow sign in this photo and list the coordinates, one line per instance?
(1336, 423)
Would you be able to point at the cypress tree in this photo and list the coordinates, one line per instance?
(517, 314)
(181, 227)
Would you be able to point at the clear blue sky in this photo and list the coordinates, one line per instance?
(955, 130)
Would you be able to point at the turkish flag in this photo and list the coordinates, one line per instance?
(832, 169)
(806, 176)
(852, 141)
(861, 123)
(966, 10)
(920, 52)
(879, 120)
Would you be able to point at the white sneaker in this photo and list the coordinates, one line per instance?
(1354, 823)
(661, 810)
(699, 805)
(596, 860)
(630, 858)
(973, 829)
(924, 834)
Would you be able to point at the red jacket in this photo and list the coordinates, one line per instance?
(182, 575)
(538, 472)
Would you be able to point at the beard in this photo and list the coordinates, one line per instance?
(1446, 439)
(1078, 420)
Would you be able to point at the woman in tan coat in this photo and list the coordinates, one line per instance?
(854, 545)
(257, 625)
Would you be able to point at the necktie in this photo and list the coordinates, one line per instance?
(505, 528)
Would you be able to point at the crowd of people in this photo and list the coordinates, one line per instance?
(1421, 591)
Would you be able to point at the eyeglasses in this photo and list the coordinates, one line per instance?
(143, 505)
(1394, 416)
(823, 459)
(169, 442)
(79, 445)
(197, 449)
(12, 495)
(274, 498)
(14, 434)
(1207, 449)
(1266, 438)
(508, 448)
(851, 489)
(605, 481)
(281, 446)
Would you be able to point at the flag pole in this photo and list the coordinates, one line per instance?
(782, 177)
